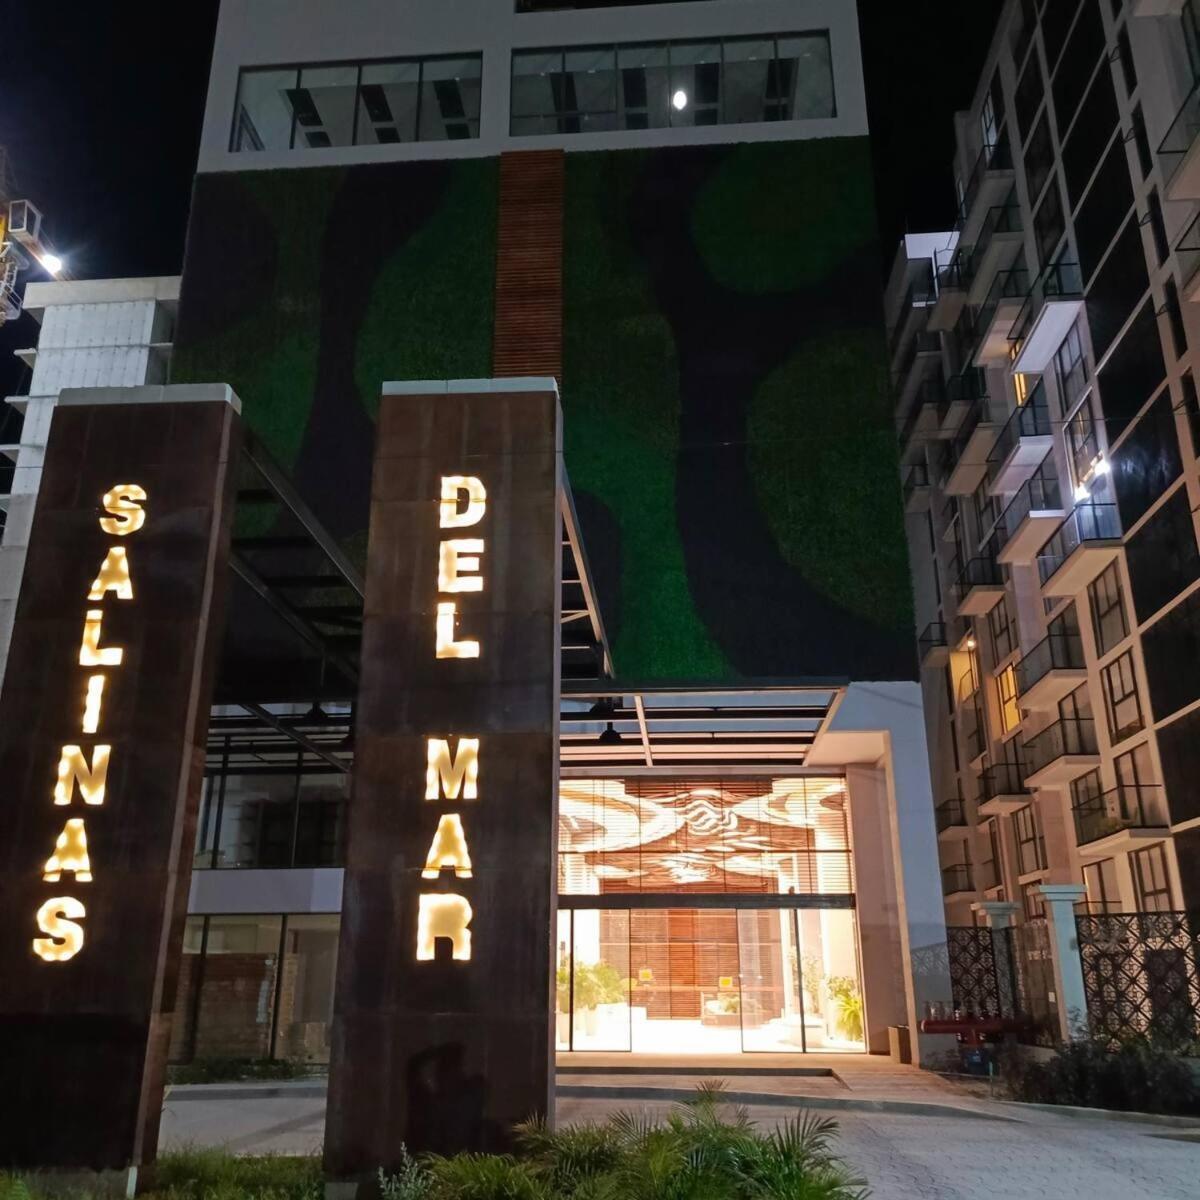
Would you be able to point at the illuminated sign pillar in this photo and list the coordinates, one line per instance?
(103, 719)
(442, 1030)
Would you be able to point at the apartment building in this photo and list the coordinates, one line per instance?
(1044, 356)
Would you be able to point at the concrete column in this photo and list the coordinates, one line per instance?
(882, 725)
(1070, 997)
(1000, 916)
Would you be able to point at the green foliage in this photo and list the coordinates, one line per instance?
(483, 1177)
(410, 1180)
(621, 420)
(1134, 1076)
(270, 357)
(823, 454)
(595, 983)
(222, 1070)
(430, 312)
(752, 241)
(847, 1000)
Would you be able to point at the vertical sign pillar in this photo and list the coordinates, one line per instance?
(442, 1034)
(103, 719)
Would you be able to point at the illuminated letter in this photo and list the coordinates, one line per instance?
(70, 854)
(91, 706)
(451, 518)
(443, 915)
(448, 849)
(113, 577)
(463, 771)
(128, 516)
(57, 917)
(447, 647)
(460, 555)
(73, 769)
(90, 654)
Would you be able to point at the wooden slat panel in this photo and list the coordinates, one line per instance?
(529, 252)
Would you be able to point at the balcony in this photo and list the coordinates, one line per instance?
(933, 648)
(1000, 239)
(1188, 249)
(990, 181)
(1002, 790)
(956, 880)
(1079, 549)
(1046, 317)
(979, 587)
(1031, 517)
(1021, 445)
(922, 421)
(969, 450)
(1179, 151)
(1051, 670)
(922, 349)
(916, 489)
(1119, 819)
(997, 315)
(1061, 752)
(953, 282)
(959, 394)
(919, 295)
(950, 817)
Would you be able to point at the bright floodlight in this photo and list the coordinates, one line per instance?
(52, 263)
(679, 100)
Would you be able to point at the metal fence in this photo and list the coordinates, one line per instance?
(981, 971)
(1141, 975)
(1033, 974)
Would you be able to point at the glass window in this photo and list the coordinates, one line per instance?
(1158, 229)
(387, 103)
(1121, 697)
(449, 101)
(1109, 620)
(324, 105)
(308, 971)
(748, 66)
(590, 82)
(1133, 768)
(257, 825)
(1100, 878)
(262, 117)
(1039, 158)
(1175, 317)
(1031, 852)
(1125, 56)
(1006, 686)
(1191, 407)
(645, 92)
(806, 62)
(1083, 444)
(1032, 904)
(1048, 222)
(696, 83)
(1001, 628)
(320, 820)
(1071, 366)
(1150, 879)
(1141, 141)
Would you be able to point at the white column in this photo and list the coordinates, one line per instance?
(1069, 995)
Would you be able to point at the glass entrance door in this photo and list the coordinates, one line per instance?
(708, 981)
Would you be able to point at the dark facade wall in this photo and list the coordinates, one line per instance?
(727, 422)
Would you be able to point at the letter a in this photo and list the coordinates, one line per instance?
(448, 849)
(113, 577)
(70, 854)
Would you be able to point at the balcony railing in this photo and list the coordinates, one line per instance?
(1067, 736)
(933, 637)
(1059, 281)
(1002, 779)
(957, 879)
(958, 271)
(979, 572)
(1188, 249)
(994, 157)
(1087, 522)
(920, 293)
(1130, 806)
(1039, 493)
(950, 814)
(923, 342)
(1055, 652)
(1012, 284)
(917, 477)
(966, 388)
(1032, 419)
(1001, 218)
(980, 413)
(1179, 138)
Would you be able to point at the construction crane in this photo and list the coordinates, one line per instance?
(22, 243)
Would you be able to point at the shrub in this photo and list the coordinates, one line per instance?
(410, 1181)
(229, 1070)
(1133, 1076)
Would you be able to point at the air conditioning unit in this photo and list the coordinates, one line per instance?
(25, 224)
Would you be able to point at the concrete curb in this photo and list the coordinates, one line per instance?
(1108, 1114)
(908, 1108)
(303, 1089)
(702, 1072)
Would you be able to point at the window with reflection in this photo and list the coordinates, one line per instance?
(589, 89)
(776, 836)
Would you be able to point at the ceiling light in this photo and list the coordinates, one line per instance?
(679, 100)
(971, 643)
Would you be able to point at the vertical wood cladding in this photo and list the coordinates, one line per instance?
(448, 1053)
(529, 260)
(83, 1040)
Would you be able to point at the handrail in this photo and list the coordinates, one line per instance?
(1068, 735)
(1127, 806)
(995, 156)
(950, 814)
(1056, 651)
(1040, 492)
(1088, 521)
(1180, 135)
(1031, 419)
(1002, 779)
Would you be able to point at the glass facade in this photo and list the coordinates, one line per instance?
(728, 81)
(357, 104)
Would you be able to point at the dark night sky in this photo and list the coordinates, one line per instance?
(101, 117)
